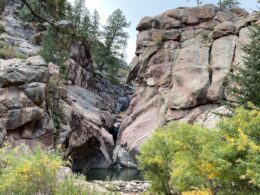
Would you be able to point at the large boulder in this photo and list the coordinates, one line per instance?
(18, 71)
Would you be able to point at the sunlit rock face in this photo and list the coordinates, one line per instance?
(183, 58)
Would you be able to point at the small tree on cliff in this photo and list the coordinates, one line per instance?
(199, 2)
(47, 9)
(247, 77)
(228, 3)
(115, 38)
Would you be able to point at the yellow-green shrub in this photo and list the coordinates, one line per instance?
(236, 156)
(35, 172)
(171, 158)
(181, 157)
(28, 173)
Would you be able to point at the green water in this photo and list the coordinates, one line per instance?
(114, 175)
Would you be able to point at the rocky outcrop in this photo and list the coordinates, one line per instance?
(23, 111)
(38, 106)
(91, 106)
(183, 58)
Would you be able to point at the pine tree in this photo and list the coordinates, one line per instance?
(229, 3)
(115, 38)
(95, 20)
(247, 77)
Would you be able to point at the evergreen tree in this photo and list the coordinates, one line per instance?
(95, 20)
(48, 9)
(77, 12)
(247, 77)
(228, 3)
(115, 38)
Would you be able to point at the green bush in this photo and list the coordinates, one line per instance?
(171, 157)
(30, 173)
(236, 156)
(27, 172)
(182, 157)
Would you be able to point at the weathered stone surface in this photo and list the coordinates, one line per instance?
(223, 16)
(222, 55)
(181, 78)
(223, 29)
(159, 68)
(18, 71)
(163, 22)
(123, 157)
(242, 40)
(36, 92)
(192, 15)
(144, 24)
(190, 77)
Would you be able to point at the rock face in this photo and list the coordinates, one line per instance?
(23, 87)
(183, 57)
(37, 106)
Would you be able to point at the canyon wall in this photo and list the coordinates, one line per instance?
(38, 107)
(183, 58)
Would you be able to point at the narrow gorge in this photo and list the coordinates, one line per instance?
(183, 59)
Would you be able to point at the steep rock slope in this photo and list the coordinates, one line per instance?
(37, 107)
(183, 57)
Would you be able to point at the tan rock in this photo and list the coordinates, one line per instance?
(192, 14)
(190, 77)
(145, 24)
(222, 55)
(163, 22)
(223, 29)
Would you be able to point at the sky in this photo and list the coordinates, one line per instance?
(135, 10)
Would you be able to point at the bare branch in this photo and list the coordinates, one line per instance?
(36, 15)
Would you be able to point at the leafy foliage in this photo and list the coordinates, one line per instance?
(29, 172)
(182, 157)
(171, 158)
(247, 76)
(53, 10)
(236, 155)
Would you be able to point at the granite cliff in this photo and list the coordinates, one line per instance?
(39, 107)
(183, 58)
